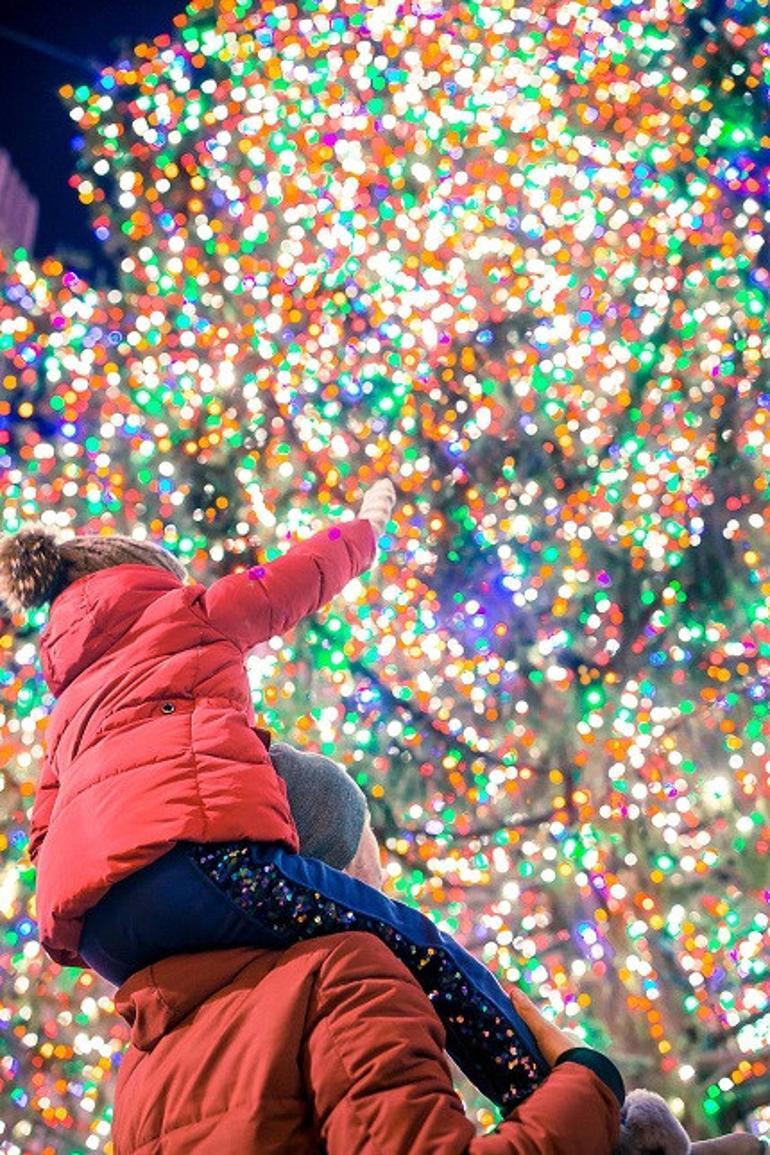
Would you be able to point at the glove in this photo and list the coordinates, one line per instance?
(377, 505)
(647, 1127)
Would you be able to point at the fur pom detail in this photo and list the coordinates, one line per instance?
(31, 567)
(647, 1127)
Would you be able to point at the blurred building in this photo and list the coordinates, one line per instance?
(18, 208)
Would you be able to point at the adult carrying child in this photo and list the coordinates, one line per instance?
(160, 823)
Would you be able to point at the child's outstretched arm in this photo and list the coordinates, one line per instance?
(269, 599)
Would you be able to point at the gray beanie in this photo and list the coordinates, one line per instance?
(328, 808)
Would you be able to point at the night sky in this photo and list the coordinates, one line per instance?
(34, 126)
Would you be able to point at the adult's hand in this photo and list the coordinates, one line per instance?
(551, 1040)
(737, 1144)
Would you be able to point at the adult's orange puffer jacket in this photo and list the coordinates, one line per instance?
(151, 739)
(327, 1048)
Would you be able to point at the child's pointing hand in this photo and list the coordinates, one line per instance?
(378, 503)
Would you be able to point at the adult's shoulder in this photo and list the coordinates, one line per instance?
(364, 950)
(360, 968)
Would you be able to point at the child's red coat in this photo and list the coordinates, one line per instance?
(151, 739)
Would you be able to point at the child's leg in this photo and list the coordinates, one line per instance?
(166, 908)
(295, 898)
(203, 896)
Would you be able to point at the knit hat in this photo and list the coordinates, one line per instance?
(38, 562)
(328, 808)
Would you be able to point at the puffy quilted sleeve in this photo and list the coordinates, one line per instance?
(47, 791)
(251, 606)
(374, 1062)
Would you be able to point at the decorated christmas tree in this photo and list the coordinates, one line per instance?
(513, 258)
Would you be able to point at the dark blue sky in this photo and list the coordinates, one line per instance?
(34, 126)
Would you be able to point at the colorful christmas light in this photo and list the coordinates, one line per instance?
(515, 259)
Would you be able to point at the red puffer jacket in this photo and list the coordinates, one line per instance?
(327, 1048)
(151, 739)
